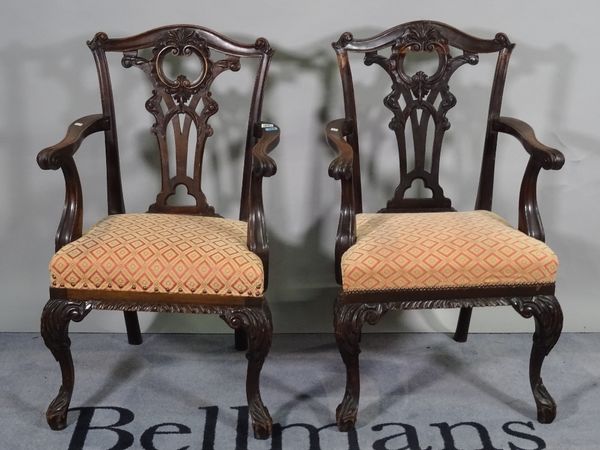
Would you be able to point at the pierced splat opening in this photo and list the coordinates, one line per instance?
(426, 62)
(411, 152)
(170, 143)
(181, 197)
(191, 66)
(428, 158)
(418, 189)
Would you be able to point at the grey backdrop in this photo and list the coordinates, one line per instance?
(47, 79)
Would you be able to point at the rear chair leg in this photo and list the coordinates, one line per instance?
(134, 336)
(548, 317)
(55, 331)
(462, 327)
(256, 323)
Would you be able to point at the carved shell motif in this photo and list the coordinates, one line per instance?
(422, 37)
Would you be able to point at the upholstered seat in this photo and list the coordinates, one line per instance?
(168, 253)
(443, 250)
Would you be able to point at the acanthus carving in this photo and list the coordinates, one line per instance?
(348, 322)
(56, 316)
(258, 327)
(55, 322)
(255, 321)
(167, 307)
(425, 303)
(257, 324)
(421, 37)
(349, 319)
(548, 316)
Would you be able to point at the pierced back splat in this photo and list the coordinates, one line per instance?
(183, 103)
(177, 102)
(416, 99)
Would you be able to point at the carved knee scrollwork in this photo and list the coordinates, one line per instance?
(548, 316)
(256, 323)
(56, 316)
(348, 322)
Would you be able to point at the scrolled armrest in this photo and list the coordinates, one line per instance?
(60, 156)
(262, 166)
(341, 167)
(548, 158)
(540, 157)
(268, 138)
(52, 158)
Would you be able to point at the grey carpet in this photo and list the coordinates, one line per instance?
(416, 386)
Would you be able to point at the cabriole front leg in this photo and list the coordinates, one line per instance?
(257, 325)
(348, 321)
(548, 317)
(56, 316)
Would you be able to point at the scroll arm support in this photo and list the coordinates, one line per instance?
(341, 168)
(540, 157)
(530, 220)
(262, 166)
(60, 156)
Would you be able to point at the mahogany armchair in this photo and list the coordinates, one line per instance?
(185, 259)
(419, 253)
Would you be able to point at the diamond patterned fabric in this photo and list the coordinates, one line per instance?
(443, 250)
(168, 253)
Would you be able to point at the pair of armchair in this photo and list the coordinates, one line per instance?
(414, 253)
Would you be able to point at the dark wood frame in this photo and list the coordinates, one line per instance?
(250, 317)
(353, 309)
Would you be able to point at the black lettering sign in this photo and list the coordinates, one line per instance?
(84, 426)
(412, 438)
(314, 442)
(530, 437)
(449, 444)
(147, 438)
(210, 426)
